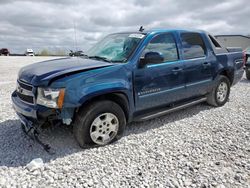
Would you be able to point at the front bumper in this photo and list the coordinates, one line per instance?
(32, 114)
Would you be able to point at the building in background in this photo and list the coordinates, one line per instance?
(234, 40)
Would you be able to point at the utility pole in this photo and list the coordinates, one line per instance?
(75, 36)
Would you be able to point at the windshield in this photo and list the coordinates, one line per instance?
(116, 47)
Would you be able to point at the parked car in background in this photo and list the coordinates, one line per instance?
(77, 53)
(4, 51)
(247, 62)
(29, 52)
(126, 77)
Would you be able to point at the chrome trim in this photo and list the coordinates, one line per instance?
(176, 61)
(141, 95)
(238, 61)
(196, 58)
(200, 82)
(23, 91)
(229, 53)
(25, 83)
(164, 63)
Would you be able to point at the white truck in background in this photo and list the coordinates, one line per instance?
(29, 52)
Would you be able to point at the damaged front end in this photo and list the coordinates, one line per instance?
(47, 92)
(29, 104)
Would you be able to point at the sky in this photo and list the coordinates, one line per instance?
(54, 25)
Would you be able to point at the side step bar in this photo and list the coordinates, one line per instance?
(160, 113)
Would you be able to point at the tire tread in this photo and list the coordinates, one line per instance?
(211, 97)
(81, 124)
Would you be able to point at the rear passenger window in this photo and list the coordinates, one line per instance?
(165, 45)
(193, 45)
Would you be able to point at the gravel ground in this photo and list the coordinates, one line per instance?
(197, 147)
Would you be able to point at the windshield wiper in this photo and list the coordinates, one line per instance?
(99, 58)
(119, 61)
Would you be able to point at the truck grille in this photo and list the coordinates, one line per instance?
(25, 92)
(25, 86)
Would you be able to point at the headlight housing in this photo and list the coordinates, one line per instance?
(52, 98)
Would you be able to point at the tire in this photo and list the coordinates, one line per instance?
(220, 93)
(97, 121)
(247, 73)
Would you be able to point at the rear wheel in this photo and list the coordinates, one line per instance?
(247, 73)
(220, 93)
(99, 123)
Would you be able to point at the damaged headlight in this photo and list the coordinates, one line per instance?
(52, 98)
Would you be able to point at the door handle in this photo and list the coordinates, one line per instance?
(206, 64)
(176, 70)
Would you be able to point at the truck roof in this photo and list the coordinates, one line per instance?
(173, 29)
(160, 30)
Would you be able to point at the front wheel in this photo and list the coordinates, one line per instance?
(220, 93)
(99, 123)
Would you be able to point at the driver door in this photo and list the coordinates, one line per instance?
(162, 83)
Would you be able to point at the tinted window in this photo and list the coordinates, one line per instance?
(165, 45)
(193, 45)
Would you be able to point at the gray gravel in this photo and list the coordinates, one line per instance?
(197, 147)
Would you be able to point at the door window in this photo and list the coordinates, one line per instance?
(193, 46)
(165, 45)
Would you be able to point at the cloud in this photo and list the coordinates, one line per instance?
(50, 24)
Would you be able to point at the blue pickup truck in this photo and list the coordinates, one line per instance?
(130, 76)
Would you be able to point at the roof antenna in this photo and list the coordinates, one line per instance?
(141, 29)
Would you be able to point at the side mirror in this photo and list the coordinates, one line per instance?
(150, 58)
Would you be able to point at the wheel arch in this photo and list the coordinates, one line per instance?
(229, 74)
(118, 97)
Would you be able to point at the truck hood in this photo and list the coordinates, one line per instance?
(40, 74)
